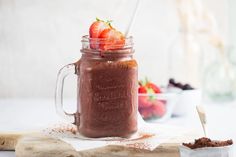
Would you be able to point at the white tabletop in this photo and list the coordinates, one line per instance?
(33, 114)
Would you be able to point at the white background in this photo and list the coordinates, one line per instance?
(37, 37)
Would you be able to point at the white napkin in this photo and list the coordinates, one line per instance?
(149, 136)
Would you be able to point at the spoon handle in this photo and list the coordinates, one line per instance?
(202, 115)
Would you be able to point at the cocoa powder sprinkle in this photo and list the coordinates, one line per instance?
(206, 142)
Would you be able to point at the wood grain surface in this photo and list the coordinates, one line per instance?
(8, 140)
(38, 145)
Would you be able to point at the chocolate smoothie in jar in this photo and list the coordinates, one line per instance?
(106, 88)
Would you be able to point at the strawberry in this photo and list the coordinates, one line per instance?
(142, 89)
(146, 113)
(154, 87)
(150, 87)
(113, 39)
(158, 109)
(95, 30)
(97, 27)
(144, 102)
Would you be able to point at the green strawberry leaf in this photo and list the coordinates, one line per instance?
(146, 80)
(97, 19)
(151, 91)
(109, 23)
(141, 83)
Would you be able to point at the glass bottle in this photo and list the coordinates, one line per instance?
(185, 56)
(219, 82)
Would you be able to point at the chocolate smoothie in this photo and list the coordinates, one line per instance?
(107, 93)
(107, 84)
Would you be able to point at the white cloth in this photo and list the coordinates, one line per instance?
(149, 136)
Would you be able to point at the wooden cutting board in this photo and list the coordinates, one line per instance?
(8, 140)
(38, 145)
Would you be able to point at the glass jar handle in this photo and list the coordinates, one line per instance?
(62, 74)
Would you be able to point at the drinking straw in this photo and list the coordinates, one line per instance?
(133, 18)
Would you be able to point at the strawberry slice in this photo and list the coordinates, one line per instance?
(154, 87)
(94, 32)
(113, 39)
(97, 27)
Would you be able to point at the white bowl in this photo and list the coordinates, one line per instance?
(168, 100)
(187, 102)
(226, 151)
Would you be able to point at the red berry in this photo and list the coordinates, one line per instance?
(94, 31)
(113, 39)
(158, 108)
(96, 28)
(144, 102)
(142, 89)
(146, 113)
(154, 87)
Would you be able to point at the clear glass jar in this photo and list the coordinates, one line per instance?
(219, 81)
(107, 98)
(185, 58)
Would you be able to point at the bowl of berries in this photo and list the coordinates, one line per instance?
(188, 97)
(154, 103)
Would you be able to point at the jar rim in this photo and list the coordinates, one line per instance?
(86, 38)
(87, 42)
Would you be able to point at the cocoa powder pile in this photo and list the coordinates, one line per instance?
(206, 142)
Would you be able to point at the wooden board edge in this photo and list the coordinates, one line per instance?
(8, 140)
